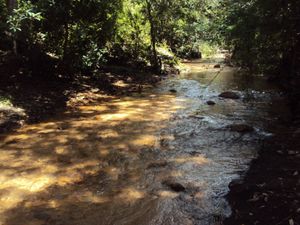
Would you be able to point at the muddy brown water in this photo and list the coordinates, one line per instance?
(107, 164)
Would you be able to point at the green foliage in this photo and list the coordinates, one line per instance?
(70, 26)
(166, 55)
(94, 57)
(177, 21)
(84, 35)
(26, 13)
(132, 30)
(208, 49)
(264, 34)
(5, 101)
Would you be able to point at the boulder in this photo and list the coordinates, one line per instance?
(217, 66)
(230, 95)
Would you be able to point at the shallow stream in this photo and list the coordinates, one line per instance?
(157, 158)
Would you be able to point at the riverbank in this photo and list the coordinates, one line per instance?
(32, 99)
(269, 194)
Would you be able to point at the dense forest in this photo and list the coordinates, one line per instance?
(82, 36)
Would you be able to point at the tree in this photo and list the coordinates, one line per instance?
(83, 35)
(11, 6)
(264, 34)
(153, 31)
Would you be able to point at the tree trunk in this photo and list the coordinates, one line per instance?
(154, 60)
(66, 43)
(11, 5)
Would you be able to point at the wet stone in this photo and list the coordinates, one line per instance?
(197, 117)
(64, 159)
(217, 66)
(157, 164)
(240, 128)
(174, 186)
(230, 95)
(194, 153)
(40, 215)
(14, 141)
(210, 103)
(173, 91)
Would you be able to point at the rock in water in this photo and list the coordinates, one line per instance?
(217, 66)
(241, 128)
(230, 95)
(174, 186)
(158, 164)
(172, 91)
(210, 103)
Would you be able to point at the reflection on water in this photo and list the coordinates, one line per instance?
(91, 166)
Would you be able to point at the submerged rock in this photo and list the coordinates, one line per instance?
(210, 103)
(195, 116)
(41, 215)
(194, 153)
(241, 128)
(217, 66)
(174, 186)
(230, 95)
(157, 164)
(172, 91)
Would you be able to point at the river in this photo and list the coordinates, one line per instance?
(157, 158)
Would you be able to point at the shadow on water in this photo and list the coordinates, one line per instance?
(111, 163)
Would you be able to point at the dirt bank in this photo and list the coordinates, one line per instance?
(270, 192)
(36, 98)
